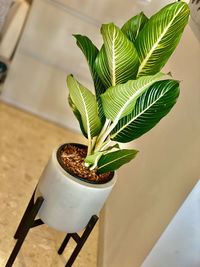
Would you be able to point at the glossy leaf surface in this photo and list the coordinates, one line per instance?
(90, 51)
(102, 68)
(92, 160)
(160, 36)
(119, 101)
(114, 160)
(118, 60)
(86, 104)
(77, 115)
(134, 25)
(150, 108)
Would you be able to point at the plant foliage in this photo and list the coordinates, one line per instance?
(130, 97)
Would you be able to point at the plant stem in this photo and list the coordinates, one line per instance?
(94, 139)
(89, 146)
(104, 145)
(100, 154)
(106, 125)
(105, 135)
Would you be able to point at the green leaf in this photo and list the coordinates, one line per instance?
(119, 62)
(77, 115)
(134, 25)
(112, 147)
(114, 160)
(92, 160)
(160, 36)
(86, 104)
(102, 68)
(119, 101)
(150, 108)
(90, 51)
(121, 54)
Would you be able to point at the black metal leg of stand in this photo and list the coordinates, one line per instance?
(26, 223)
(82, 240)
(79, 240)
(64, 244)
(20, 228)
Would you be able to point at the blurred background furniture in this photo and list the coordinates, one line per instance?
(195, 17)
(12, 27)
(4, 8)
(13, 15)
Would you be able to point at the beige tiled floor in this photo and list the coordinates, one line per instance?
(25, 144)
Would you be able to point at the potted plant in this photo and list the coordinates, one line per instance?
(131, 97)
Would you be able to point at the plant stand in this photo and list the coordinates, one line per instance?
(28, 221)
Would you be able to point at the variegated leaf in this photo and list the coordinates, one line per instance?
(86, 104)
(117, 61)
(160, 36)
(119, 101)
(114, 160)
(150, 108)
(134, 25)
(90, 51)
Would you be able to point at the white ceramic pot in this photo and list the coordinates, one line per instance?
(69, 201)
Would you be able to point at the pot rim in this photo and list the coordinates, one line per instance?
(77, 176)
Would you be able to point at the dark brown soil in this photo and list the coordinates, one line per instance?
(73, 159)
